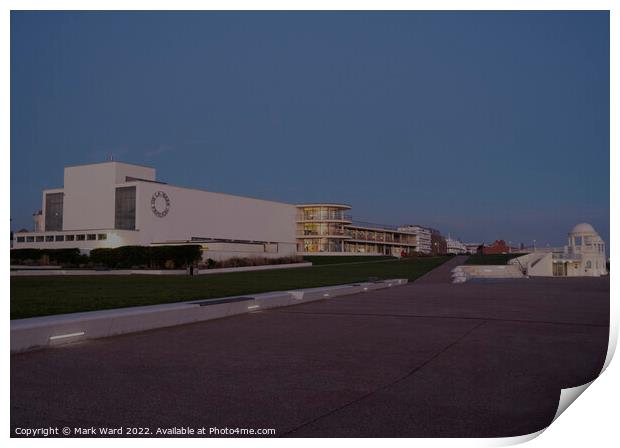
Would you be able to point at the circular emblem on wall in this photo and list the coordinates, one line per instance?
(160, 204)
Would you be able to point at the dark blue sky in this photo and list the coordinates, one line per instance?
(484, 125)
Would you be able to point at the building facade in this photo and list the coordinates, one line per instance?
(498, 247)
(329, 229)
(455, 246)
(114, 204)
(423, 237)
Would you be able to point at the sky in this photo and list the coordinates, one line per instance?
(483, 125)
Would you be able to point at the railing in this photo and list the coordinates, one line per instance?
(326, 233)
(567, 257)
(373, 225)
(324, 216)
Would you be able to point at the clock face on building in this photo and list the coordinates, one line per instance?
(160, 204)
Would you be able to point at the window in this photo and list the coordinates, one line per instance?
(588, 264)
(53, 211)
(125, 208)
(80, 237)
(69, 237)
(49, 238)
(91, 237)
(102, 236)
(21, 239)
(30, 239)
(60, 237)
(39, 238)
(577, 241)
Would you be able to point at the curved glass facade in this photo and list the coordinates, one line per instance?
(328, 228)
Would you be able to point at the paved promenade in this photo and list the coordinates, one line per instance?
(426, 359)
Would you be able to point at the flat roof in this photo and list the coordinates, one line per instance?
(323, 204)
(111, 161)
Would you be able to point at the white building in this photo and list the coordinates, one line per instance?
(583, 256)
(455, 246)
(423, 237)
(114, 204)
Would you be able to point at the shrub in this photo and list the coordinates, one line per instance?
(237, 262)
(47, 256)
(159, 257)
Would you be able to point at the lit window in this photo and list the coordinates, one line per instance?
(102, 236)
(91, 237)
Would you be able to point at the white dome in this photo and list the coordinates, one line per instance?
(584, 227)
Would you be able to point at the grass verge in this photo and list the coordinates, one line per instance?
(41, 296)
(319, 260)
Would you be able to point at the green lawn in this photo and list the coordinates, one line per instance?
(494, 259)
(318, 260)
(40, 296)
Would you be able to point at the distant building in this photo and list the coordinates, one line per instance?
(473, 248)
(583, 256)
(423, 237)
(38, 222)
(455, 246)
(498, 247)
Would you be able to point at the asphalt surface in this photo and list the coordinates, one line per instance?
(429, 359)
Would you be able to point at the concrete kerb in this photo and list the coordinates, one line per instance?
(464, 273)
(69, 272)
(41, 332)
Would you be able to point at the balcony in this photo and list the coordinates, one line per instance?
(323, 216)
(326, 233)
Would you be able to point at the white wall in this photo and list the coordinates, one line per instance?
(89, 204)
(90, 193)
(197, 213)
(541, 266)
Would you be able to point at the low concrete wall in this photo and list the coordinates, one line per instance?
(465, 272)
(40, 332)
(266, 267)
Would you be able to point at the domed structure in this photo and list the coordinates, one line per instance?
(583, 256)
(584, 227)
(585, 253)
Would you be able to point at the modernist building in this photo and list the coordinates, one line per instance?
(115, 204)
